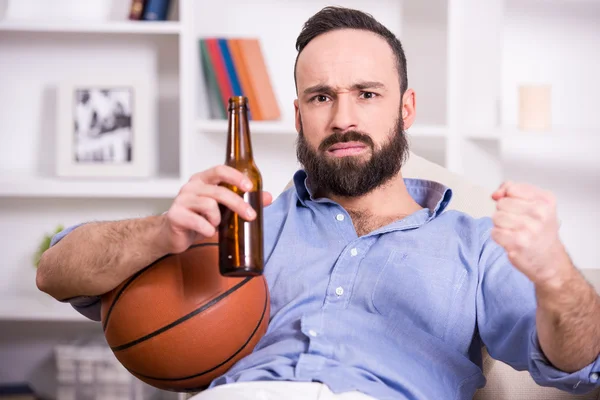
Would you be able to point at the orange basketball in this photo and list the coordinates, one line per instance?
(178, 324)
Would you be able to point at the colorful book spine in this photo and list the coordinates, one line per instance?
(237, 67)
(218, 64)
(266, 101)
(244, 78)
(215, 98)
(232, 71)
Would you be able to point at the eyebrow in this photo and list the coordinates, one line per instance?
(322, 88)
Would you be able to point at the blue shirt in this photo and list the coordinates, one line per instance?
(399, 313)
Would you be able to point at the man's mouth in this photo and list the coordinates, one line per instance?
(347, 149)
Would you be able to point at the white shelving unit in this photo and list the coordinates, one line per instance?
(465, 60)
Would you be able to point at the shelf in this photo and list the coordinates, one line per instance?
(431, 131)
(256, 127)
(37, 306)
(288, 128)
(512, 133)
(164, 188)
(128, 27)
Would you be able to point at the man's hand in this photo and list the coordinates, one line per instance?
(195, 211)
(526, 226)
(568, 308)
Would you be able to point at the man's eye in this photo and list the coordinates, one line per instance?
(368, 95)
(320, 98)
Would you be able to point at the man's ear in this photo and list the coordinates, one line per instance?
(297, 116)
(408, 110)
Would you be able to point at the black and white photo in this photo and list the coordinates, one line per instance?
(105, 128)
(103, 125)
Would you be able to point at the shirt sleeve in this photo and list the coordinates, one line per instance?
(506, 311)
(88, 306)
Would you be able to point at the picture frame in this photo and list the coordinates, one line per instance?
(104, 129)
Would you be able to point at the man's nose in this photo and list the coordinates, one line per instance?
(344, 113)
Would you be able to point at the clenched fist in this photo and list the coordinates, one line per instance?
(526, 226)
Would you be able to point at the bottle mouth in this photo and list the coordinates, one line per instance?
(238, 101)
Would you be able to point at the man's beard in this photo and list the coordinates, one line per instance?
(352, 176)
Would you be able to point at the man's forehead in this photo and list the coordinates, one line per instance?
(345, 56)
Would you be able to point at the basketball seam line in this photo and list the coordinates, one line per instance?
(222, 363)
(140, 272)
(182, 319)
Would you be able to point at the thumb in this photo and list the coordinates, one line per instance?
(501, 191)
(267, 198)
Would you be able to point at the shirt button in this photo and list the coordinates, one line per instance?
(312, 333)
(339, 291)
(594, 377)
(339, 217)
(353, 252)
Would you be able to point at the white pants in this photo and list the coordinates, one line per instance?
(276, 390)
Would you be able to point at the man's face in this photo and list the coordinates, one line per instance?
(349, 114)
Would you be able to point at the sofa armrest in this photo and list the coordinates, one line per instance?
(506, 383)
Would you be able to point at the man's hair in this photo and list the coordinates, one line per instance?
(334, 18)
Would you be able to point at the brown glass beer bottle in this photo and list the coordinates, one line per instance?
(240, 241)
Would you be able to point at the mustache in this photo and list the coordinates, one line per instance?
(350, 136)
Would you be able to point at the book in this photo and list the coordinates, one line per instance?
(136, 10)
(260, 82)
(215, 99)
(216, 59)
(156, 10)
(231, 72)
(244, 78)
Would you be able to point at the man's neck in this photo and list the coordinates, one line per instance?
(383, 205)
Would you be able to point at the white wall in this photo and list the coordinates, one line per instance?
(558, 43)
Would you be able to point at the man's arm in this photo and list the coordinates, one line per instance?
(568, 320)
(535, 311)
(568, 308)
(96, 257)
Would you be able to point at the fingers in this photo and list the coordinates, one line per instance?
(521, 191)
(224, 174)
(219, 195)
(533, 209)
(197, 207)
(204, 206)
(501, 191)
(511, 221)
(186, 219)
(507, 239)
(267, 198)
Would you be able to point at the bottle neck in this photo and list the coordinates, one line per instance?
(239, 147)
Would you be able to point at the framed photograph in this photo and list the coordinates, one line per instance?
(103, 129)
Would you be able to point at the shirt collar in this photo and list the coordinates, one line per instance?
(431, 195)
